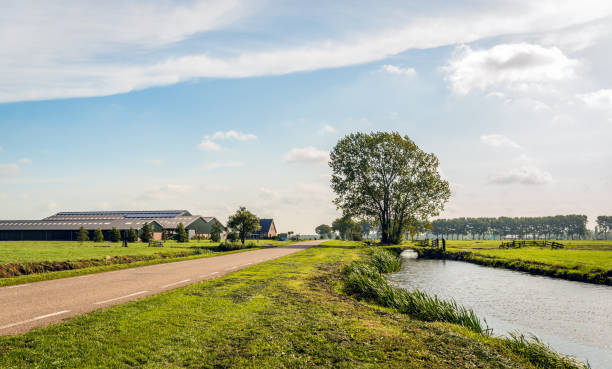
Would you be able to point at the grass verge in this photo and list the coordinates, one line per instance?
(285, 313)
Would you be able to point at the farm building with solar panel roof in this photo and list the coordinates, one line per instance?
(64, 226)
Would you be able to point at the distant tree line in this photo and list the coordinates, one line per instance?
(604, 225)
(550, 227)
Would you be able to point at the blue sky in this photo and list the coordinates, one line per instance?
(212, 105)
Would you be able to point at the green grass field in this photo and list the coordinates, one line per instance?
(285, 313)
(32, 251)
(584, 260)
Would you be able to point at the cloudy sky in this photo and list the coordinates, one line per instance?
(210, 105)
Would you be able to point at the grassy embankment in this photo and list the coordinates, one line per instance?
(585, 261)
(288, 312)
(29, 261)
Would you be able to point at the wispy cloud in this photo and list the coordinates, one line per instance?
(46, 58)
(409, 72)
(231, 134)
(326, 129)
(497, 140)
(156, 162)
(307, 155)
(224, 164)
(208, 145)
(208, 142)
(165, 191)
(526, 175)
(601, 99)
(25, 161)
(8, 169)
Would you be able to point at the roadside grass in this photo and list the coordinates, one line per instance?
(285, 313)
(43, 260)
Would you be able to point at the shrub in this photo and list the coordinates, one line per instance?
(132, 235)
(98, 236)
(83, 235)
(115, 235)
(146, 233)
(538, 354)
(181, 233)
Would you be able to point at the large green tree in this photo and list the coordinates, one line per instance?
(324, 231)
(243, 222)
(386, 178)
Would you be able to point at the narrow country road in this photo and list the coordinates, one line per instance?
(26, 306)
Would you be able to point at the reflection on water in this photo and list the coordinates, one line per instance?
(572, 317)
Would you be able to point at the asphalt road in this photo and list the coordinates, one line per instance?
(26, 306)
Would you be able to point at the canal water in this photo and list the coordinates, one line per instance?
(572, 317)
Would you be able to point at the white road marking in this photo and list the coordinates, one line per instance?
(208, 275)
(175, 283)
(119, 298)
(35, 319)
(20, 285)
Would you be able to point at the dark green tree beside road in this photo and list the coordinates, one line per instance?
(387, 179)
(244, 223)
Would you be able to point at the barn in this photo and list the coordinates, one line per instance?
(267, 230)
(64, 226)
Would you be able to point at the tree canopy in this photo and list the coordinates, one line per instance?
(388, 179)
(347, 228)
(558, 226)
(98, 236)
(215, 232)
(146, 232)
(181, 233)
(83, 235)
(132, 235)
(115, 235)
(243, 222)
(324, 231)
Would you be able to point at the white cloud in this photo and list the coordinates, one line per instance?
(398, 70)
(231, 134)
(306, 154)
(165, 192)
(507, 65)
(208, 145)
(51, 205)
(497, 140)
(326, 129)
(224, 164)
(527, 175)
(601, 99)
(58, 51)
(25, 161)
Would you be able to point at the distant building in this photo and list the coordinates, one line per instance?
(268, 229)
(64, 226)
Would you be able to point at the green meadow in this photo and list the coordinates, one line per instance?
(287, 313)
(33, 251)
(582, 260)
(31, 261)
